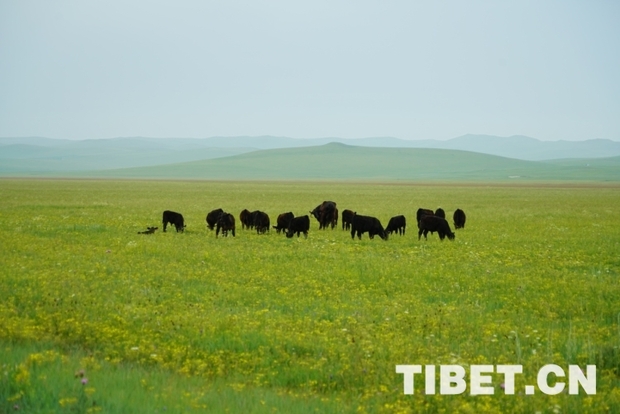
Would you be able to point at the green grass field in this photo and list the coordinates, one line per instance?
(96, 318)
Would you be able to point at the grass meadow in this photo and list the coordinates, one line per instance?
(97, 318)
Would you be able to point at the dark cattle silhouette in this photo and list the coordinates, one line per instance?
(423, 212)
(347, 218)
(396, 224)
(245, 217)
(434, 223)
(440, 213)
(372, 225)
(282, 221)
(261, 221)
(459, 219)
(149, 230)
(213, 217)
(335, 218)
(298, 225)
(326, 214)
(225, 223)
(173, 218)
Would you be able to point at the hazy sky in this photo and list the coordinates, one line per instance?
(408, 69)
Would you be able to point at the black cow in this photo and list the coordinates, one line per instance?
(282, 221)
(245, 217)
(434, 223)
(440, 213)
(260, 221)
(175, 219)
(298, 225)
(459, 219)
(396, 224)
(149, 230)
(226, 223)
(326, 214)
(347, 219)
(213, 217)
(423, 212)
(363, 224)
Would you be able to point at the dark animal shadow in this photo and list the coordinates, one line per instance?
(149, 230)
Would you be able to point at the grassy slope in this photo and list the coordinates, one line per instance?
(339, 161)
(20, 159)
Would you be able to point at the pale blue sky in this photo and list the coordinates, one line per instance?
(408, 69)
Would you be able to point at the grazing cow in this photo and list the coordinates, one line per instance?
(261, 221)
(326, 214)
(213, 217)
(423, 212)
(282, 221)
(245, 217)
(440, 213)
(298, 225)
(149, 230)
(175, 219)
(363, 224)
(434, 223)
(459, 219)
(347, 218)
(396, 224)
(226, 223)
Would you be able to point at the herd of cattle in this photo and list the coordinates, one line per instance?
(326, 214)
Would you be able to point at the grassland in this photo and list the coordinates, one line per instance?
(345, 162)
(260, 323)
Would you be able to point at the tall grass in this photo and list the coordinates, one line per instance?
(303, 324)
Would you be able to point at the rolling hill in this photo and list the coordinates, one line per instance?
(345, 162)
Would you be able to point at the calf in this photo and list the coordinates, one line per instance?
(174, 218)
(396, 224)
(283, 221)
(226, 223)
(363, 224)
(298, 225)
(459, 219)
(434, 223)
(440, 213)
(213, 217)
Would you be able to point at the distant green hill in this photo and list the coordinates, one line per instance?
(344, 162)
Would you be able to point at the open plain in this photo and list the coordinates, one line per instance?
(95, 317)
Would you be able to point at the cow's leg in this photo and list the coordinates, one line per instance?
(165, 223)
(419, 234)
(305, 234)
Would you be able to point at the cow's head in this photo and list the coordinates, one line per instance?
(316, 212)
